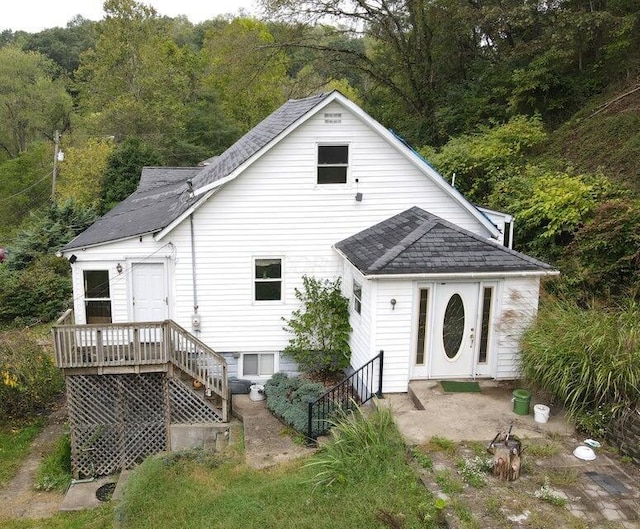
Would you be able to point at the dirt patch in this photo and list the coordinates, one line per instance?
(18, 498)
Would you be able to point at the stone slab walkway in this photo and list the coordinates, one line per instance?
(265, 438)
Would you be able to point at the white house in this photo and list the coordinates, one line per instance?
(321, 189)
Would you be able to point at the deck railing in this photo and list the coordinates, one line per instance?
(198, 360)
(357, 389)
(115, 345)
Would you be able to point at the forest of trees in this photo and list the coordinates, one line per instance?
(535, 106)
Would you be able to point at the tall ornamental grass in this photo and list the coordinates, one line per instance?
(588, 359)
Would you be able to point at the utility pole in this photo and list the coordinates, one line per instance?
(56, 150)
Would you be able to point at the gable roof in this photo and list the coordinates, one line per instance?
(416, 242)
(256, 139)
(161, 196)
(164, 198)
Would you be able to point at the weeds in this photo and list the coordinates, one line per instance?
(546, 493)
(54, 472)
(441, 444)
(423, 459)
(474, 470)
(448, 482)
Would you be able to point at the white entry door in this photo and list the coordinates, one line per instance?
(149, 292)
(453, 340)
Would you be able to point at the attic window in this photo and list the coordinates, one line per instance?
(333, 161)
(333, 117)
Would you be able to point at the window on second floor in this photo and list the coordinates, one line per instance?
(333, 162)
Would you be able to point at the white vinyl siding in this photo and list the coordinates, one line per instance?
(275, 208)
(518, 307)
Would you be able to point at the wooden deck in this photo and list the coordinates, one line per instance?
(140, 347)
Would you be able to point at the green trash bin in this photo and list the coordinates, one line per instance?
(521, 401)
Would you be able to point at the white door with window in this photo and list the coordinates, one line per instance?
(454, 330)
(149, 292)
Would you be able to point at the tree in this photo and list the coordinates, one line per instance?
(136, 81)
(320, 328)
(245, 70)
(33, 105)
(64, 46)
(81, 172)
(124, 166)
(25, 184)
(47, 230)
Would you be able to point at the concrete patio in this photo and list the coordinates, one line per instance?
(426, 410)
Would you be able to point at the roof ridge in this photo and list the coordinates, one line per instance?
(417, 233)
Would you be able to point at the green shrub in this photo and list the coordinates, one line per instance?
(320, 329)
(29, 380)
(588, 359)
(289, 398)
(38, 293)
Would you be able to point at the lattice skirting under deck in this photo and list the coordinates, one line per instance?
(115, 420)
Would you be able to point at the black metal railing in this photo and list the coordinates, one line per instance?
(357, 389)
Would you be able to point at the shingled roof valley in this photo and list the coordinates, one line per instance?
(417, 242)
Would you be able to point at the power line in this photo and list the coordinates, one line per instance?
(26, 189)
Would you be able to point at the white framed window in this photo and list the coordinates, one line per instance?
(257, 365)
(357, 297)
(267, 279)
(333, 163)
(97, 296)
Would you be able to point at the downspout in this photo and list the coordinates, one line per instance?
(195, 319)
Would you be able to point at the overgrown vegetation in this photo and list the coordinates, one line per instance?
(54, 471)
(320, 328)
(588, 359)
(373, 486)
(29, 380)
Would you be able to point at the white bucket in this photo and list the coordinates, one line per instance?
(256, 392)
(541, 413)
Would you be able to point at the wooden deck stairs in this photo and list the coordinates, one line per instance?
(128, 384)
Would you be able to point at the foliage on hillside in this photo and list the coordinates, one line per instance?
(605, 136)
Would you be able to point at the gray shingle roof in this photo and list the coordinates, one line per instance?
(257, 138)
(161, 197)
(417, 242)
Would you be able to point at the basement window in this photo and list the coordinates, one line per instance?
(97, 297)
(258, 365)
(333, 162)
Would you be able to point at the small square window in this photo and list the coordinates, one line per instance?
(357, 297)
(258, 365)
(333, 161)
(268, 280)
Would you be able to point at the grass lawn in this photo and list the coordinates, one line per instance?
(15, 442)
(355, 482)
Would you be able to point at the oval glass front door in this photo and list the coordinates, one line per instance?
(453, 326)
